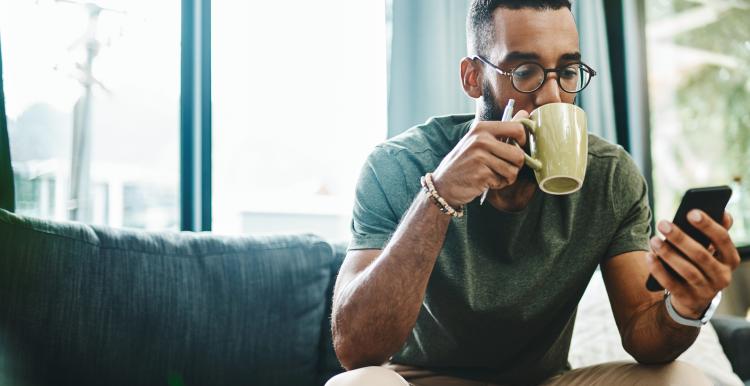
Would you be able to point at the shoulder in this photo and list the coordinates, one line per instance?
(613, 176)
(395, 166)
(437, 136)
(609, 158)
(603, 149)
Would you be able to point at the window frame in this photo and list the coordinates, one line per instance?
(195, 116)
(625, 22)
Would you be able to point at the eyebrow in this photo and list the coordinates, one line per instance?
(571, 56)
(519, 55)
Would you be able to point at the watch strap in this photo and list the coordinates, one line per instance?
(707, 314)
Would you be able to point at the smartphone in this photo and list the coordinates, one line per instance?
(711, 200)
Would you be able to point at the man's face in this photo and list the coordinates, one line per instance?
(548, 37)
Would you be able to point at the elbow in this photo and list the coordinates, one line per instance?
(354, 350)
(353, 357)
(645, 359)
(351, 352)
(361, 343)
(647, 355)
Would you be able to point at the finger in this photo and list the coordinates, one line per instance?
(521, 114)
(505, 151)
(701, 257)
(719, 236)
(662, 276)
(503, 130)
(493, 180)
(679, 264)
(727, 221)
(506, 171)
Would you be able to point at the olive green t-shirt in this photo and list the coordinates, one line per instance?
(501, 300)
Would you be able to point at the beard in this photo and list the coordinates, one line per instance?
(490, 110)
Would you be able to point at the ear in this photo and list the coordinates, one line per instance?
(471, 77)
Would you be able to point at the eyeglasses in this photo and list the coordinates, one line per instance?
(528, 77)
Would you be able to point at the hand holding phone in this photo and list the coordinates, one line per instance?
(712, 201)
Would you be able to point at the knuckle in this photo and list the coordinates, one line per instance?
(703, 257)
(723, 238)
(475, 141)
(488, 174)
(663, 247)
(677, 236)
(482, 158)
(691, 276)
(735, 261)
(724, 280)
(519, 132)
(478, 126)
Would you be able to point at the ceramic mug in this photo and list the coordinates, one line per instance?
(558, 144)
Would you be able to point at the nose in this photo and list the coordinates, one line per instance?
(549, 92)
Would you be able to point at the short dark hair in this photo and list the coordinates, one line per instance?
(480, 29)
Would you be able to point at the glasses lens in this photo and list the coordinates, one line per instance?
(528, 77)
(574, 78)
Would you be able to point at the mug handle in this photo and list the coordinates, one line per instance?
(529, 160)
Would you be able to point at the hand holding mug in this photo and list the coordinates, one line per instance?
(482, 159)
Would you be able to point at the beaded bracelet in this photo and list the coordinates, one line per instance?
(429, 188)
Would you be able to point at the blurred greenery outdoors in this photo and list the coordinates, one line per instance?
(713, 104)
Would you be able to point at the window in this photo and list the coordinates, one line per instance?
(299, 100)
(698, 61)
(92, 99)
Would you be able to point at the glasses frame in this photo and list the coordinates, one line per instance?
(546, 71)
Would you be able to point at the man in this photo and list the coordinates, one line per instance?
(490, 298)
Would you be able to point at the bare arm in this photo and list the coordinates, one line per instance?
(374, 310)
(378, 294)
(647, 331)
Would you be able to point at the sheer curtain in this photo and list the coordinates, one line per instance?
(427, 42)
(597, 99)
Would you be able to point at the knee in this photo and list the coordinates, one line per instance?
(368, 376)
(677, 373)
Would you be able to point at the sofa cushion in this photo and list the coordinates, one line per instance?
(90, 305)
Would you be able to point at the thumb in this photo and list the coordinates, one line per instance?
(520, 114)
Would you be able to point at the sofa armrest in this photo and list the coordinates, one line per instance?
(734, 335)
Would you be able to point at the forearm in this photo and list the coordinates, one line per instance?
(374, 314)
(653, 337)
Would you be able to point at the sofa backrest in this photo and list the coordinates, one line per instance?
(88, 305)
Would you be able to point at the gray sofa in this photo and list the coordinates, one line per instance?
(88, 305)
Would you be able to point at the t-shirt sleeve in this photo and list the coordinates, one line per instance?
(631, 208)
(380, 199)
